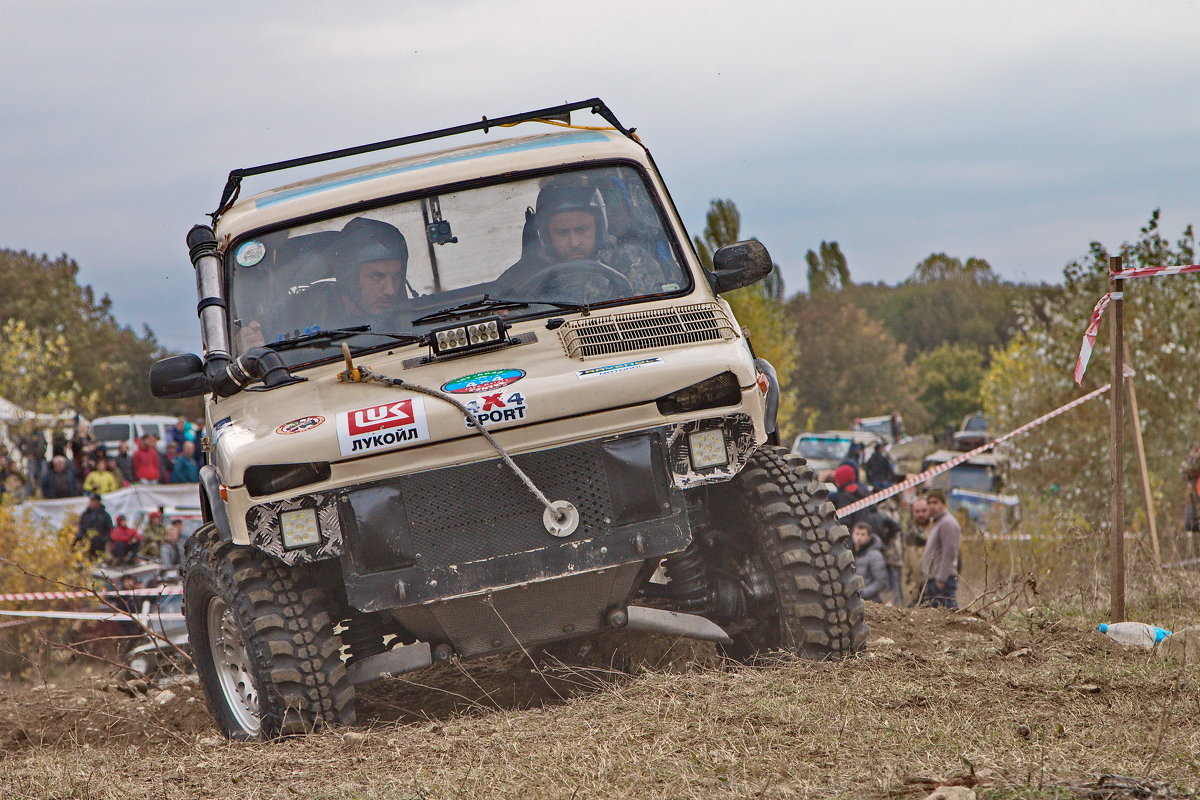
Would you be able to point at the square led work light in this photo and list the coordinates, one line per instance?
(299, 528)
(708, 449)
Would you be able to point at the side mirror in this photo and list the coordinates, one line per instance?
(740, 264)
(177, 377)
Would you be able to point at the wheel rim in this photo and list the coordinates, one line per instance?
(232, 663)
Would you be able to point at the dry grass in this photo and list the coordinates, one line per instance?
(952, 700)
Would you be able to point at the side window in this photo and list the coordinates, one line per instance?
(152, 428)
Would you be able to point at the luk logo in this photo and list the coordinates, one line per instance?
(382, 427)
(377, 418)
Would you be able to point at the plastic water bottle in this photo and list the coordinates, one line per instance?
(1138, 634)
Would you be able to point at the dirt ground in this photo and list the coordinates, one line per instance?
(1038, 707)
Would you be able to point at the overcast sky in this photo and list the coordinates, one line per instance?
(1017, 132)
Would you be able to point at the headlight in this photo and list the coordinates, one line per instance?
(719, 390)
(477, 334)
(299, 528)
(708, 449)
(264, 479)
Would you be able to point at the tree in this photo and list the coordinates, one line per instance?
(828, 271)
(35, 369)
(847, 366)
(757, 307)
(1033, 375)
(949, 379)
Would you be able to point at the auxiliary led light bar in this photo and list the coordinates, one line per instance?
(481, 333)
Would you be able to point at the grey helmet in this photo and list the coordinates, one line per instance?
(562, 195)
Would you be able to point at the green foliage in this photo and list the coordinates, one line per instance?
(949, 378)
(847, 366)
(95, 364)
(757, 307)
(827, 272)
(1033, 375)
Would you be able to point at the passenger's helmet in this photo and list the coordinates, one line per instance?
(566, 195)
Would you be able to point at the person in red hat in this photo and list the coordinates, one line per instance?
(123, 541)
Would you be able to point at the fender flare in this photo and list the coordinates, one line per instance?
(211, 505)
(771, 413)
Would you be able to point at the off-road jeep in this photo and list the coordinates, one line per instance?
(477, 400)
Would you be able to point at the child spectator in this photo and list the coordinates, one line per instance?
(868, 561)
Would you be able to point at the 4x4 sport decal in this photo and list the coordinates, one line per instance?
(488, 381)
(613, 369)
(382, 427)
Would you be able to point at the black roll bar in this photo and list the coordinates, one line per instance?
(595, 105)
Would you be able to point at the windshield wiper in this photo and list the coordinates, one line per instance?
(488, 303)
(330, 336)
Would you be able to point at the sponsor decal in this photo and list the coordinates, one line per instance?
(382, 427)
(613, 369)
(493, 409)
(488, 381)
(300, 425)
(250, 253)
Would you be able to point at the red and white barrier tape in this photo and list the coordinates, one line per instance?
(1089, 335)
(153, 591)
(14, 624)
(100, 615)
(921, 477)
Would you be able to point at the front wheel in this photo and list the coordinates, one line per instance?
(783, 527)
(263, 643)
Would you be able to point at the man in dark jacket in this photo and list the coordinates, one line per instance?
(868, 562)
(95, 526)
(880, 472)
(59, 481)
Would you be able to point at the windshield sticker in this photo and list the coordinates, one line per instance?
(250, 253)
(300, 425)
(383, 427)
(488, 381)
(613, 369)
(492, 409)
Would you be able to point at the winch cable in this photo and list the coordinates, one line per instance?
(366, 375)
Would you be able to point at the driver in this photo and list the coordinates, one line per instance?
(571, 224)
(369, 260)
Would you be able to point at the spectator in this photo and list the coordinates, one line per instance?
(59, 480)
(868, 561)
(170, 552)
(95, 526)
(845, 477)
(897, 423)
(123, 542)
(104, 478)
(186, 470)
(153, 533)
(940, 560)
(880, 472)
(167, 460)
(177, 433)
(12, 482)
(915, 536)
(124, 462)
(146, 466)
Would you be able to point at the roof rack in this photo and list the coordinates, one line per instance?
(595, 105)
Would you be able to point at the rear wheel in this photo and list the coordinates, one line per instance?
(782, 526)
(263, 643)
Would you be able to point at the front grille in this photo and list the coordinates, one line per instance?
(643, 330)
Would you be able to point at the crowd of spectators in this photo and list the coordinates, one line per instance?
(80, 465)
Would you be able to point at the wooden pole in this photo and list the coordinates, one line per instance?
(1116, 541)
(1140, 449)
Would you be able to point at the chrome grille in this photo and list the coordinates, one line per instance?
(642, 330)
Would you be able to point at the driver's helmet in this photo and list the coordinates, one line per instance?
(570, 195)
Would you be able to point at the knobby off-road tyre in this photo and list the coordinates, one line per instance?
(263, 643)
(787, 521)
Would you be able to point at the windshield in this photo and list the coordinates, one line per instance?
(824, 449)
(585, 237)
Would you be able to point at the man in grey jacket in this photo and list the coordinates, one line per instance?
(942, 547)
(869, 562)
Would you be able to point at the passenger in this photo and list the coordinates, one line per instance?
(571, 224)
(369, 260)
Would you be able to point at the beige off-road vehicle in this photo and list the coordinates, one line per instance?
(478, 400)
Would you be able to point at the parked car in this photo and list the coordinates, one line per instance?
(825, 450)
(111, 431)
(974, 486)
(881, 425)
(974, 432)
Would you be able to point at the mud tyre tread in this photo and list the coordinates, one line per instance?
(287, 630)
(818, 611)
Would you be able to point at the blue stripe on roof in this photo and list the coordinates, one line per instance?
(576, 137)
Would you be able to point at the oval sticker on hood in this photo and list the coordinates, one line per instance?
(483, 381)
(300, 425)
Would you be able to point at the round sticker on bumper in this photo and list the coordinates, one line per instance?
(300, 425)
(488, 381)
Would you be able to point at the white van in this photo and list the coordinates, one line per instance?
(111, 431)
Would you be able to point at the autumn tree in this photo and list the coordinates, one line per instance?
(758, 307)
(948, 380)
(827, 270)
